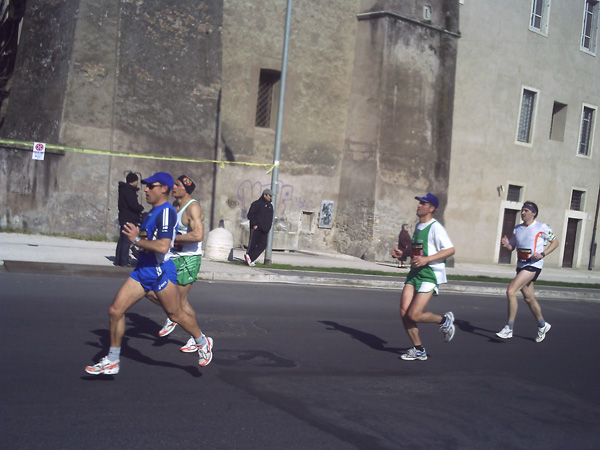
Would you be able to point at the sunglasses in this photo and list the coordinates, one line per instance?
(152, 186)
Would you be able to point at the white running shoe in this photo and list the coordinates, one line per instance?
(448, 327)
(205, 353)
(190, 346)
(248, 260)
(104, 367)
(505, 333)
(413, 354)
(542, 332)
(167, 329)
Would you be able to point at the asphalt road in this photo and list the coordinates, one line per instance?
(294, 367)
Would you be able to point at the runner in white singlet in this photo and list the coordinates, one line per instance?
(529, 239)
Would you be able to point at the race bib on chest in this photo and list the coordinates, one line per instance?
(524, 254)
(178, 247)
(417, 249)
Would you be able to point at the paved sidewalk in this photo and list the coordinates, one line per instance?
(47, 253)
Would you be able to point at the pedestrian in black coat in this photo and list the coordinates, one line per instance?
(261, 220)
(130, 211)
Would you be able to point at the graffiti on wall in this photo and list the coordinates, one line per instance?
(287, 200)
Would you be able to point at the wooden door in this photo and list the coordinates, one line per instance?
(570, 240)
(508, 224)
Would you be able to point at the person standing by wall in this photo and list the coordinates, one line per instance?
(404, 240)
(261, 220)
(430, 247)
(130, 210)
(529, 238)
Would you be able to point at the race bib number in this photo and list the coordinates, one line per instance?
(524, 254)
(417, 249)
(178, 247)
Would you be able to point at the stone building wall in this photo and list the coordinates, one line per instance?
(367, 116)
(138, 77)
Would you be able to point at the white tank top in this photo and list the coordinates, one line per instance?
(186, 248)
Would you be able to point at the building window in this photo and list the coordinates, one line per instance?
(589, 35)
(540, 13)
(559, 120)
(514, 193)
(526, 117)
(577, 198)
(267, 100)
(586, 136)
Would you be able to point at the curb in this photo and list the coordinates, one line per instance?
(261, 277)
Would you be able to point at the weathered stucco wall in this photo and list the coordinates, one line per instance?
(34, 112)
(138, 77)
(320, 59)
(486, 155)
(400, 123)
(366, 119)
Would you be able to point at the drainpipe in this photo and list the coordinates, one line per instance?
(593, 245)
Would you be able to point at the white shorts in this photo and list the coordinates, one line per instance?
(426, 287)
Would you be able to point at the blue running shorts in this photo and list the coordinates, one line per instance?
(155, 278)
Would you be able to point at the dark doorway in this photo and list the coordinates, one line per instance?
(508, 224)
(570, 240)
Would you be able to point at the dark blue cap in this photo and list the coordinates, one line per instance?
(429, 198)
(160, 177)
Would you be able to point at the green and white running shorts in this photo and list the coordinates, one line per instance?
(187, 268)
(423, 279)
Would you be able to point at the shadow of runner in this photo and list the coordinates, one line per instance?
(142, 327)
(465, 326)
(138, 331)
(370, 340)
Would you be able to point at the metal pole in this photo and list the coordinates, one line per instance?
(277, 150)
(593, 245)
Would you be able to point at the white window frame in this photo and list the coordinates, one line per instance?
(521, 191)
(533, 117)
(544, 17)
(592, 32)
(585, 198)
(590, 144)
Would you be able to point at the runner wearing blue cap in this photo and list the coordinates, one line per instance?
(430, 248)
(154, 272)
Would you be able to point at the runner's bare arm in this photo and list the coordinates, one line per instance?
(195, 225)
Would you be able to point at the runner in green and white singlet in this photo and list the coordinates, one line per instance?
(430, 248)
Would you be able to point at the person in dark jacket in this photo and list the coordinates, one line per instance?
(130, 211)
(261, 219)
(404, 245)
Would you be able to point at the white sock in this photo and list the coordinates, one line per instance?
(201, 340)
(114, 354)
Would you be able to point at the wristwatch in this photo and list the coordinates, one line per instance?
(543, 254)
(136, 240)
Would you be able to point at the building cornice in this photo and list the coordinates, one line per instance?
(382, 14)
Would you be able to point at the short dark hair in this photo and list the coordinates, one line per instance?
(131, 177)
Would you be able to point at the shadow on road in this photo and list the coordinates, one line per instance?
(140, 328)
(465, 326)
(370, 340)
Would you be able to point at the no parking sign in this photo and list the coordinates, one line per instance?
(39, 150)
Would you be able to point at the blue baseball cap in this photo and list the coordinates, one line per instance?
(160, 177)
(429, 198)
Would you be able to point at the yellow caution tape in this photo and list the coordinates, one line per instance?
(89, 151)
